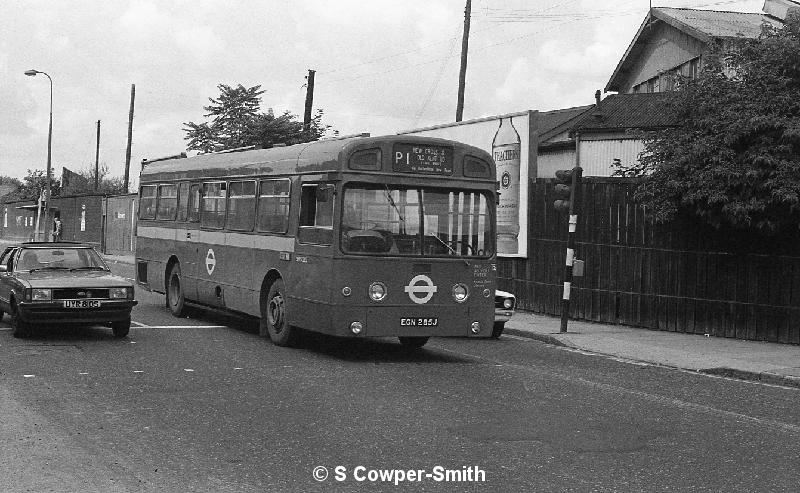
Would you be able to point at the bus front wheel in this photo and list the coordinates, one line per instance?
(273, 315)
(176, 301)
(413, 342)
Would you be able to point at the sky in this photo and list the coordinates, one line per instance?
(382, 66)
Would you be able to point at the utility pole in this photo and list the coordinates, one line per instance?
(130, 138)
(97, 159)
(309, 103)
(462, 75)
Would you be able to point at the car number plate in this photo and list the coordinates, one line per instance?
(81, 304)
(419, 322)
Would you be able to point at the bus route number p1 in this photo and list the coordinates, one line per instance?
(433, 160)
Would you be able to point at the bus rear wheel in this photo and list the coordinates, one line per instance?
(413, 342)
(273, 315)
(176, 301)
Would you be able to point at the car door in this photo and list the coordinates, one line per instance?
(6, 260)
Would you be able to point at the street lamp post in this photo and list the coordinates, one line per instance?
(32, 73)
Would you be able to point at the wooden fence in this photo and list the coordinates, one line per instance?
(680, 277)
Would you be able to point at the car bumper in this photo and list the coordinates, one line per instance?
(54, 312)
(503, 315)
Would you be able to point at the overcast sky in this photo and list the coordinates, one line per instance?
(382, 66)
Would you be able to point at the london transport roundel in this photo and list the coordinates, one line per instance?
(420, 289)
(211, 261)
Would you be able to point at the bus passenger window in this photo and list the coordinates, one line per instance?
(194, 203)
(183, 201)
(167, 202)
(241, 205)
(273, 206)
(147, 202)
(212, 214)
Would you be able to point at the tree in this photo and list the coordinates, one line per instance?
(32, 186)
(735, 160)
(236, 122)
(109, 185)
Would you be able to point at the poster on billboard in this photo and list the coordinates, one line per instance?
(511, 139)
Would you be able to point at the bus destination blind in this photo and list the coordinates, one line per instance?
(432, 160)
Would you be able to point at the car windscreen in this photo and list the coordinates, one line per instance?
(32, 259)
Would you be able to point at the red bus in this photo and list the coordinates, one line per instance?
(354, 237)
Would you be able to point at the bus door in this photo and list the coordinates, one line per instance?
(312, 266)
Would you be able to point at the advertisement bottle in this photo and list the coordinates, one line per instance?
(506, 153)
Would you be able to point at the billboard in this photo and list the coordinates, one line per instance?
(511, 139)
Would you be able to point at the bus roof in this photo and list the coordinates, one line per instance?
(310, 157)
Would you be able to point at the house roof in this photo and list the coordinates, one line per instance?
(554, 122)
(620, 112)
(704, 25)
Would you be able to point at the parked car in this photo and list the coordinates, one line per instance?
(504, 305)
(64, 283)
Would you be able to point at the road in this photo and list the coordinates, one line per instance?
(204, 404)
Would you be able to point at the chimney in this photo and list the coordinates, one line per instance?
(597, 114)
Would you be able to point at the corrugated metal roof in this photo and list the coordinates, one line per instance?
(628, 111)
(718, 24)
(557, 121)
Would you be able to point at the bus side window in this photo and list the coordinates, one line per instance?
(183, 201)
(273, 206)
(214, 198)
(194, 203)
(147, 202)
(316, 213)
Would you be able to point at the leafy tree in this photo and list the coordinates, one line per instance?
(110, 185)
(236, 122)
(735, 160)
(32, 186)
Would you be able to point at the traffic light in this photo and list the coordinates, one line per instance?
(567, 181)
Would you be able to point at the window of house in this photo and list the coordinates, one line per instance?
(273, 206)
(167, 202)
(212, 213)
(241, 205)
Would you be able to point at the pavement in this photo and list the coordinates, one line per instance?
(766, 362)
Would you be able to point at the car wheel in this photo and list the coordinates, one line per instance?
(273, 315)
(497, 330)
(413, 342)
(121, 327)
(176, 301)
(19, 328)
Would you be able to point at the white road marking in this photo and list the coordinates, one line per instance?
(185, 327)
(187, 369)
(28, 376)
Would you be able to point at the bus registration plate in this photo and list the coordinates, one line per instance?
(419, 322)
(81, 304)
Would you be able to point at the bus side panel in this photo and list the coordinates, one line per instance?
(309, 288)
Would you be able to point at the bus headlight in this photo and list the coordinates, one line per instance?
(377, 291)
(356, 327)
(460, 293)
(476, 327)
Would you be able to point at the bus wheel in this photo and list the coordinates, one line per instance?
(413, 342)
(175, 298)
(273, 315)
(497, 330)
